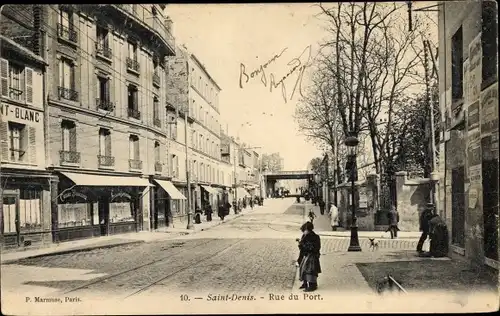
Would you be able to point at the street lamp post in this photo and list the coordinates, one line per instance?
(188, 182)
(352, 144)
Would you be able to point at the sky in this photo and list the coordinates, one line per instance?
(224, 36)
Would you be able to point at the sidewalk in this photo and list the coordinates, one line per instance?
(114, 240)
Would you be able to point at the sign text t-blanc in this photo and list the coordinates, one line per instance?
(20, 113)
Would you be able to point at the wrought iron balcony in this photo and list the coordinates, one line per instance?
(156, 79)
(158, 166)
(104, 105)
(157, 122)
(67, 94)
(67, 33)
(69, 156)
(135, 164)
(103, 49)
(133, 65)
(134, 114)
(106, 161)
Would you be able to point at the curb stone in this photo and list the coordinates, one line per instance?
(73, 250)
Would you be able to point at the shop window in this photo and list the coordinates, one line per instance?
(120, 212)
(489, 41)
(457, 65)
(30, 210)
(74, 215)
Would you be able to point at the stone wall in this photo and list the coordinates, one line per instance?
(412, 196)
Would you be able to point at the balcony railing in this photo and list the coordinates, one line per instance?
(67, 33)
(102, 49)
(133, 65)
(157, 122)
(135, 164)
(134, 114)
(67, 94)
(69, 156)
(158, 166)
(106, 161)
(156, 79)
(104, 105)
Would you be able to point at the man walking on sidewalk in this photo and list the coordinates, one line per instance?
(393, 222)
(424, 226)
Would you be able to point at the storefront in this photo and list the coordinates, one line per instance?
(90, 205)
(209, 196)
(167, 200)
(26, 218)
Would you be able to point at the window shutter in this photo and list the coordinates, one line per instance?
(136, 149)
(32, 144)
(4, 140)
(136, 100)
(28, 73)
(108, 144)
(108, 90)
(4, 72)
(72, 139)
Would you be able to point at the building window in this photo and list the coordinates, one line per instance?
(67, 80)
(103, 101)
(457, 65)
(102, 44)
(134, 153)
(156, 73)
(17, 81)
(489, 42)
(69, 153)
(105, 157)
(18, 142)
(65, 26)
(132, 60)
(157, 151)
(133, 102)
(156, 112)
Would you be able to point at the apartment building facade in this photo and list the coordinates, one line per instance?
(25, 219)
(107, 117)
(468, 86)
(194, 95)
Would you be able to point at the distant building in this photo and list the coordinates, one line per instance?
(468, 87)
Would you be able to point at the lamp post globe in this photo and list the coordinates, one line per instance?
(352, 145)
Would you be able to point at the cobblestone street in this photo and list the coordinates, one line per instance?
(253, 255)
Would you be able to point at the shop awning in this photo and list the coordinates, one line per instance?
(82, 179)
(240, 192)
(171, 190)
(210, 189)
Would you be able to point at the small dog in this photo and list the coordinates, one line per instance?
(373, 244)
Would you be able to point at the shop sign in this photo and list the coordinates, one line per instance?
(20, 114)
(475, 69)
(120, 196)
(72, 196)
(489, 110)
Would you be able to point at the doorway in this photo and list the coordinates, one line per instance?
(458, 207)
(490, 199)
(103, 205)
(11, 229)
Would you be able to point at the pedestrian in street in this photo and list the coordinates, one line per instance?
(221, 212)
(301, 253)
(322, 205)
(310, 266)
(438, 233)
(334, 217)
(424, 225)
(311, 215)
(208, 212)
(235, 207)
(244, 202)
(251, 203)
(393, 222)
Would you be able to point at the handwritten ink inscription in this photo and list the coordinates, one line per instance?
(297, 66)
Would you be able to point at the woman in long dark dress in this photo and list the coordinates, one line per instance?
(310, 266)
